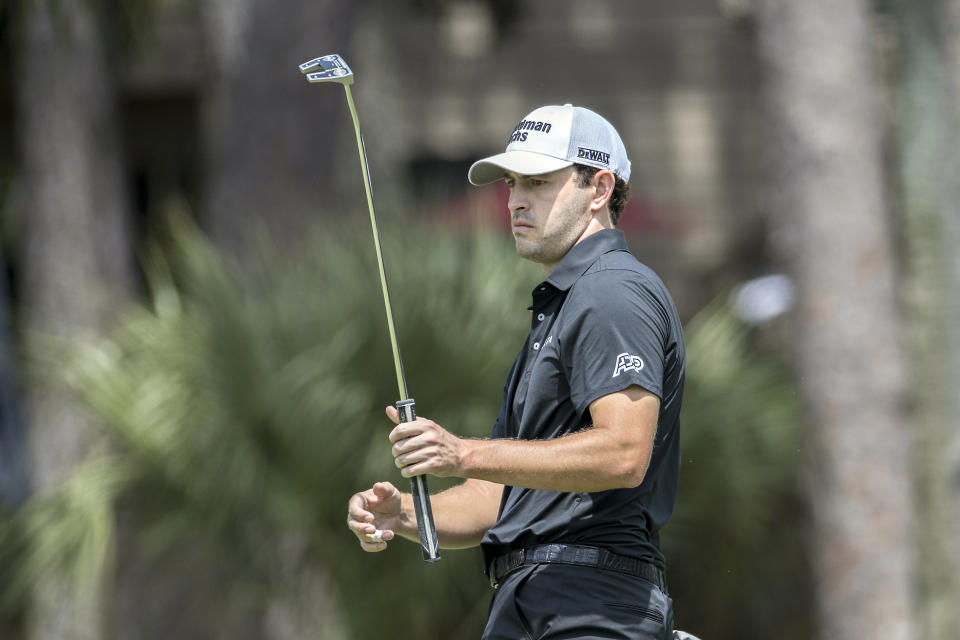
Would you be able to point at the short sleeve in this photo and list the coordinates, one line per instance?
(615, 332)
(499, 429)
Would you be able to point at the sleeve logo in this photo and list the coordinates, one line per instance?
(627, 362)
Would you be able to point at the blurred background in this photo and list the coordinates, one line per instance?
(193, 354)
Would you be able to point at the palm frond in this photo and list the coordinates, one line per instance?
(245, 404)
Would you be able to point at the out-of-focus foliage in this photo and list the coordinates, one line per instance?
(245, 407)
(735, 545)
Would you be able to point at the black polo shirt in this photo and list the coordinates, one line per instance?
(602, 322)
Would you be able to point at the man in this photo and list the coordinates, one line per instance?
(568, 495)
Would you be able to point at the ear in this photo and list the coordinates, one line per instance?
(603, 183)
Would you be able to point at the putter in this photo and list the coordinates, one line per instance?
(333, 68)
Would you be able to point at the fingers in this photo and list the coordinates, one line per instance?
(407, 447)
(424, 447)
(375, 541)
(404, 442)
(361, 519)
(414, 442)
(419, 456)
(426, 467)
(362, 506)
(410, 454)
(410, 463)
(410, 429)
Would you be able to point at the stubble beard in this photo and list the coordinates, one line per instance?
(553, 242)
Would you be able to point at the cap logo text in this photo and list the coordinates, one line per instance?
(520, 132)
(594, 155)
(627, 362)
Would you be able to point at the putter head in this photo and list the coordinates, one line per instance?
(331, 68)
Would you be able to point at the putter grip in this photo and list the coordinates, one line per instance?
(421, 496)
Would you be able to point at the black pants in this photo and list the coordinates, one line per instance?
(554, 601)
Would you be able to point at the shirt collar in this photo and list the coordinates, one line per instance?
(583, 254)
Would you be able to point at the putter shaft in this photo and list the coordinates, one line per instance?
(405, 407)
(397, 361)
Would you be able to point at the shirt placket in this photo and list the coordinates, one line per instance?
(546, 300)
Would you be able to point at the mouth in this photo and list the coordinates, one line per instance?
(520, 226)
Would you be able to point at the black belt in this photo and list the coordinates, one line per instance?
(574, 554)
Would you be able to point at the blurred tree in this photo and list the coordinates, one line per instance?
(248, 402)
(736, 546)
(75, 257)
(830, 224)
(928, 121)
(948, 17)
(270, 139)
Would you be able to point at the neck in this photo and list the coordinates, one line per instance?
(592, 227)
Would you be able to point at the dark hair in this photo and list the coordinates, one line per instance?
(621, 190)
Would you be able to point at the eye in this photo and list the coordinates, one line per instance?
(509, 182)
(536, 182)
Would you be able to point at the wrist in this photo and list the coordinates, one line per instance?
(407, 520)
(470, 456)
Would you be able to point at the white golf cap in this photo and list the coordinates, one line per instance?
(553, 137)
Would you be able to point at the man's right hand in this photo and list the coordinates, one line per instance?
(376, 509)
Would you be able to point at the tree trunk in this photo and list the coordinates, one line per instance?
(13, 482)
(271, 138)
(830, 225)
(76, 261)
(948, 17)
(928, 118)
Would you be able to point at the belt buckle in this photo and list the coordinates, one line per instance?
(513, 560)
(495, 572)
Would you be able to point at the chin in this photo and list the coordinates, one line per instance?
(531, 255)
(527, 252)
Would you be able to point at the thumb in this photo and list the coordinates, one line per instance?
(393, 414)
(384, 490)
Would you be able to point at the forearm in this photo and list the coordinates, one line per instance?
(589, 460)
(612, 454)
(462, 514)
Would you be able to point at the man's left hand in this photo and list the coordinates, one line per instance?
(423, 446)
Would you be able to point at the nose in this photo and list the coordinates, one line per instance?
(518, 201)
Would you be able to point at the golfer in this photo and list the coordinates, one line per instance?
(569, 493)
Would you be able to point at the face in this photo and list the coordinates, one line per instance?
(549, 214)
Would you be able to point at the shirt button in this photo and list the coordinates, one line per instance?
(536, 346)
(540, 317)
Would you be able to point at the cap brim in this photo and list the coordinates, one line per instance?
(526, 163)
